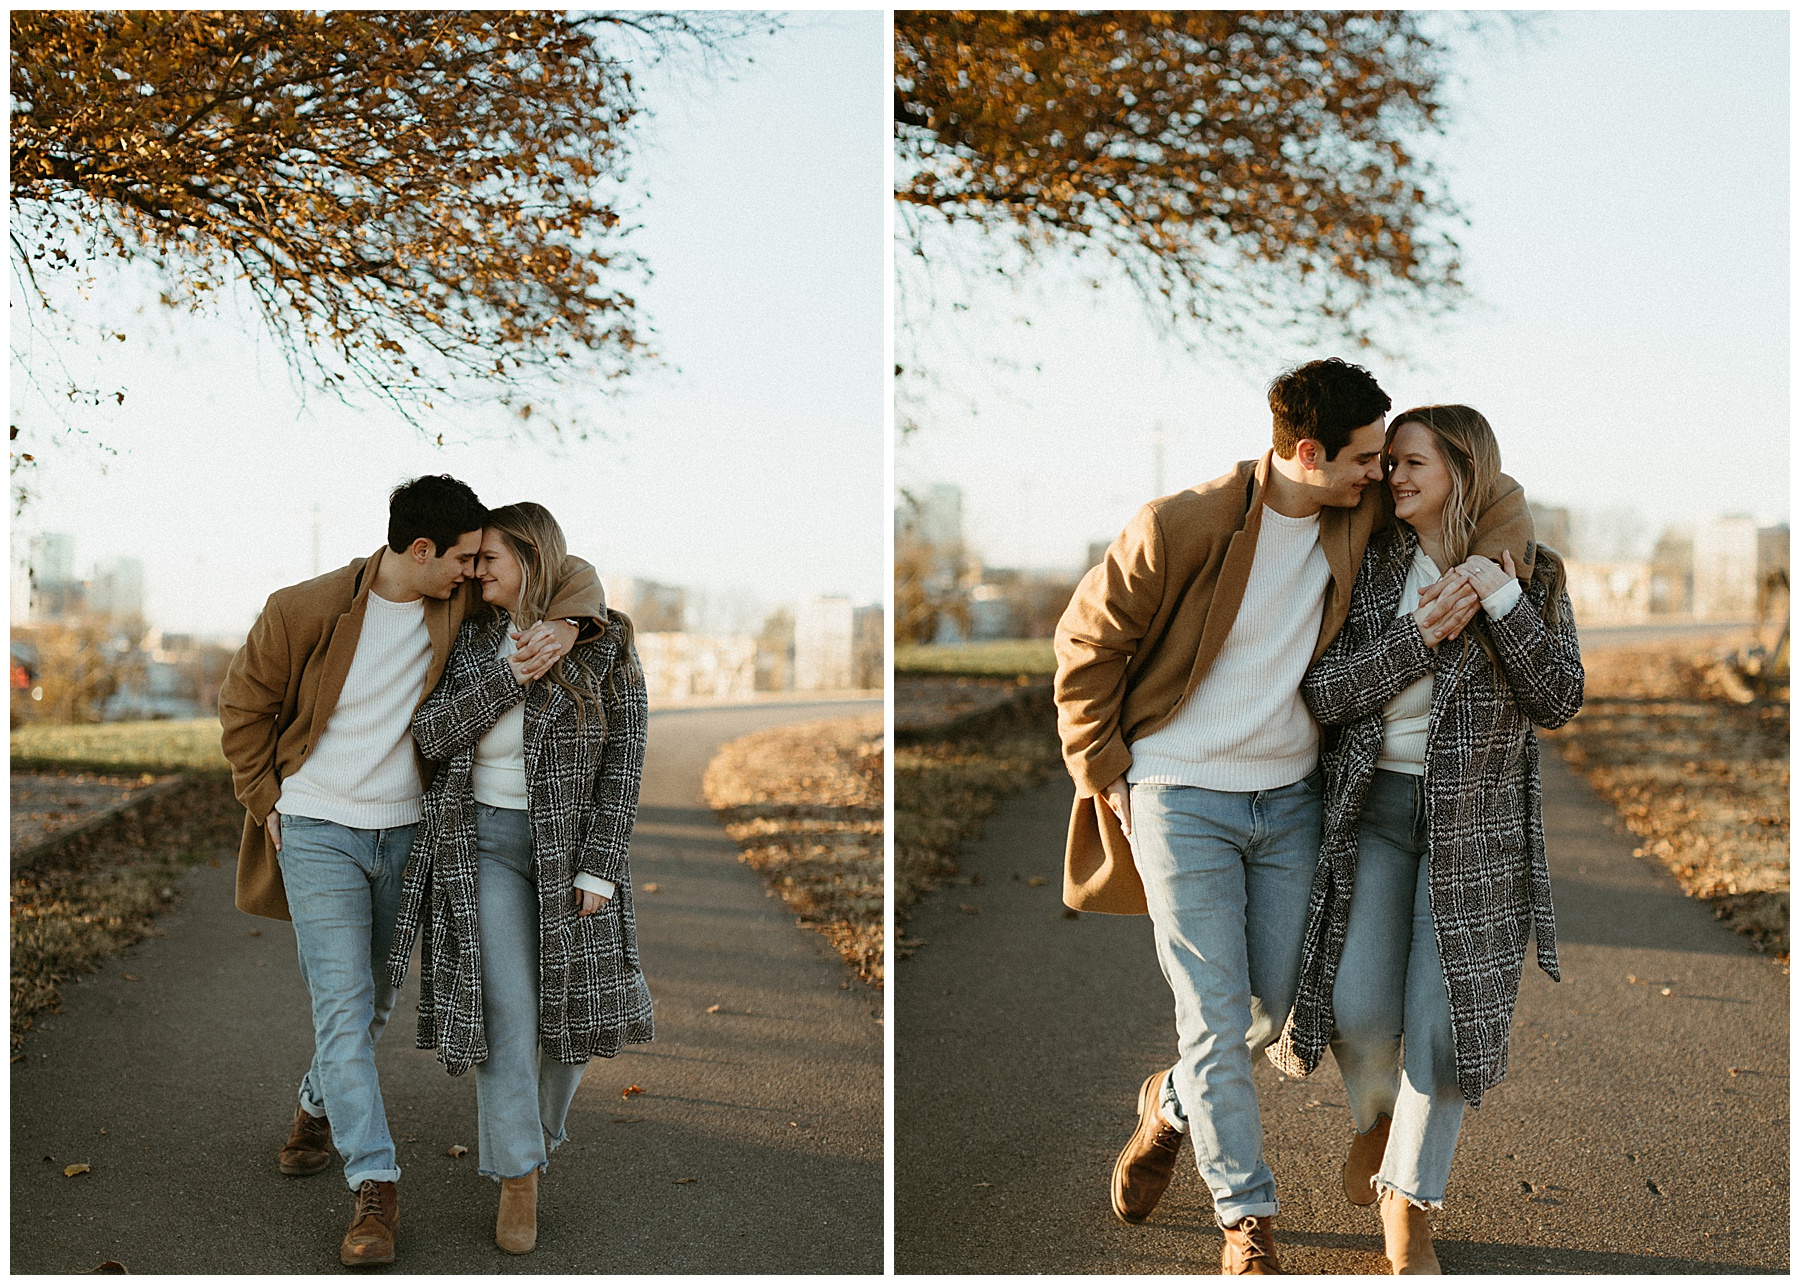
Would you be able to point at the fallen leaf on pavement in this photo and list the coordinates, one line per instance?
(969, 910)
(650, 887)
(457, 1150)
(131, 977)
(630, 1089)
(713, 1008)
(255, 932)
(1037, 881)
(628, 1119)
(984, 1184)
(69, 1171)
(682, 1182)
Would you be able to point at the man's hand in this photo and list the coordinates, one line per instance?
(1488, 576)
(1446, 608)
(587, 903)
(274, 824)
(540, 647)
(1118, 798)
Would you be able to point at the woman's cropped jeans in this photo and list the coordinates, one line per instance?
(1394, 1044)
(522, 1096)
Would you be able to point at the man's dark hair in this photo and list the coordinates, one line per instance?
(438, 507)
(1325, 400)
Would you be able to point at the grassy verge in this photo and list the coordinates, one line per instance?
(946, 788)
(73, 909)
(1698, 773)
(804, 803)
(1001, 657)
(157, 747)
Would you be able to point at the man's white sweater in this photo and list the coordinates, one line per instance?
(1245, 726)
(361, 773)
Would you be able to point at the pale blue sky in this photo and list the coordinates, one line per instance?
(750, 467)
(1626, 177)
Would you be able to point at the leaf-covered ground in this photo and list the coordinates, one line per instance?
(804, 804)
(75, 908)
(1698, 770)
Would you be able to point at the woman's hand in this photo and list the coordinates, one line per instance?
(1486, 575)
(539, 647)
(1450, 609)
(587, 903)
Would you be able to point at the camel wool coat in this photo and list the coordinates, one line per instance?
(1145, 625)
(285, 680)
(1486, 871)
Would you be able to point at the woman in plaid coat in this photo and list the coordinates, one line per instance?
(519, 884)
(1432, 869)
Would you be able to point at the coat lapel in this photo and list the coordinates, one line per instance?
(1234, 576)
(342, 648)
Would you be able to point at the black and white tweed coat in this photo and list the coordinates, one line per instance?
(1488, 879)
(582, 786)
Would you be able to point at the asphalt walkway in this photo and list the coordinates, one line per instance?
(1642, 1128)
(755, 1145)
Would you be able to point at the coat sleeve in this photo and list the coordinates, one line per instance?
(470, 698)
(1096, 637)
(1542, 662)
(1350, 682)
(614, 813)
(581, 598)
(250, 702)
(1505, 525)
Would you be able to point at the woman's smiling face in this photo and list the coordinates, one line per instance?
(1418, 477)
(500, 572)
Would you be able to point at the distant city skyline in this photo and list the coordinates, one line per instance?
(1627, 336)
(748, 468)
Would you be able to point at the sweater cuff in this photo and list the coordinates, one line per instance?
(1502, 600)
(594, 883)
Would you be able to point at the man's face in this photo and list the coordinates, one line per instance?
(1358, 464)
(440, 576)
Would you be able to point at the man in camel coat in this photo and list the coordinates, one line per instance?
(317, 716)
(1179, 660)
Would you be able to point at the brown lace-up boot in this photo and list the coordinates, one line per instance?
(1142, 1172)
(308, 1148)
(1250, 1249)
(373, 1222)
(1366, 1150)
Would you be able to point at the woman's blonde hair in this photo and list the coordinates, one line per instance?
(536, 540)
(1466, 441)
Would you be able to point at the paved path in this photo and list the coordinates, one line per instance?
(178, 1088)
(1620, 1141)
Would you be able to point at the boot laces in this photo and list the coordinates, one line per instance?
(1251, 1244)
(368, 1201)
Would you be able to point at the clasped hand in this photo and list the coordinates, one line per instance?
(1447, 607)
(540, 647)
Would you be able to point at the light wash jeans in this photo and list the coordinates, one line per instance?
(1227, 876)
(521, 1095)
(1394, 1044)
(343, 891)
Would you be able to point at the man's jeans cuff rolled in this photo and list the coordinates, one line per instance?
(356, 1180)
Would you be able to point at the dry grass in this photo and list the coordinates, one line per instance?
(158, 746)
(78, 906)
(1697, 771)
(945, 788)
(804, 803)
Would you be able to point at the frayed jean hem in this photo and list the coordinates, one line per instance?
(1385, 1188)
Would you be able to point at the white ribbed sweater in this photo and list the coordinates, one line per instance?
(1245, 726)
(361, 772)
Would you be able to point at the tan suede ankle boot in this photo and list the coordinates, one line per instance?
(1407, 1230)
(515, 1230)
